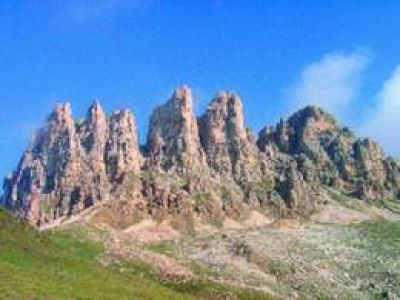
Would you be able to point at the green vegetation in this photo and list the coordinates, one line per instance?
(381, 268)
(200, 270)
(163, 247)
(381, 237)
(392, 205)
(54, 265)
(201, 201)
(344, 200)
(226, 194)
(280, 268)
(262, 187)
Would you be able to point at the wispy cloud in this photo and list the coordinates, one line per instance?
(383, 121)
(333, 82)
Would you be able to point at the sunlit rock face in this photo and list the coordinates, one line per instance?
(211, 166)
(47, 167)
(122, 154)
(229, 146)
(70, 165)
(332, 155)
(173, 140)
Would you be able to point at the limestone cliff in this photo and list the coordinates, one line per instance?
(211, 166)
(173, 140)
(328, 154)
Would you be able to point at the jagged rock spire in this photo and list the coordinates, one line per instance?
(225, 138)
(122, 149)
(95, 113)
(96, 129)
(213, 164)
(61, 114)
(183, 99)
(173, 138)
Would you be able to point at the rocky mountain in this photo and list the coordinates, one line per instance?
(330, 155)
(209, 167)
(173, 141)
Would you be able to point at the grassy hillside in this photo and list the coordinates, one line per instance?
(56, 266)
(326, 261)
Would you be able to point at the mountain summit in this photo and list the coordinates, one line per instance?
(209, 167)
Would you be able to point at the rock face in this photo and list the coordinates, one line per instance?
(227, 143)
(71, 165)
(92, 136)
(329, 155)
(122, 149)
(48, 167)
(173, 140)
(210, 166)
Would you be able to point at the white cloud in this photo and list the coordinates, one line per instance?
(383, 123)
(332, 83)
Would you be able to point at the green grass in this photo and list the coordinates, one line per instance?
(383, 237)
(280, 268)
(392, 205)
(381, 269)
(356, 204)
(55, 265)
(344, 200)
(163, 247)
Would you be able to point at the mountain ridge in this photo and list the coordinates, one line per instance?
(210, 166)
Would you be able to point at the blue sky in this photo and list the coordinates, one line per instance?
(278, 55)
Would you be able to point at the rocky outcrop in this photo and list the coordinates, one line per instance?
(228, 145)
(327, 154)
(48, 167)
(71, 165)
(122, 155)
(291, 193)
(92, 185)
(377, 176)
(210, 166)
(173, 140)
(233, 156)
